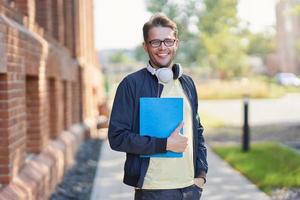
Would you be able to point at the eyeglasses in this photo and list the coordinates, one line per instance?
(156, 43)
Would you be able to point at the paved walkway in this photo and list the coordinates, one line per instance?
(261, 111)
(223, 183)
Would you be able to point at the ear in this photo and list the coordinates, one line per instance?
(177, 43)
(145, 47)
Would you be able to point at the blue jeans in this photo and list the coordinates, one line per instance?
(192, 192)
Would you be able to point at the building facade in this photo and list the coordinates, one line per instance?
(288, 35)
(50, 89)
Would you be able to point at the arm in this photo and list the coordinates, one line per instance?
(120, 133)
(201, 160)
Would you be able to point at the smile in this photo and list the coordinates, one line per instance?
(163, 54)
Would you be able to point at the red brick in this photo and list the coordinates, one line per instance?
(5, 179)
(4, 132)
(4, 160)
(3, 28)
(4, 151)
(4, 123)
(3, 77)
(4, 170)
(4, 142)
(3, 85)
(3, 95)
(3, 114)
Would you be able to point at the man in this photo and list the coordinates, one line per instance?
(159, 178)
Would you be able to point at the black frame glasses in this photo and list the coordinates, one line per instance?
(167, 42)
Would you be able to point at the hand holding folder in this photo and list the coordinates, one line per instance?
(159, 117)
(176, 141)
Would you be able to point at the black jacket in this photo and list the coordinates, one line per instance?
(123, 132)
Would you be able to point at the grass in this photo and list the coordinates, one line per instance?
(268, 165)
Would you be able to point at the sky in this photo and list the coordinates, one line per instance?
(118, 23)
(260, 13)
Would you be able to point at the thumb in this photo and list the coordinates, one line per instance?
(177, 130)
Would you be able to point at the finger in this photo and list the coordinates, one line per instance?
(179, 127)
(177, 130)
(181, 124)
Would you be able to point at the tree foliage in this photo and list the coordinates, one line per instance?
(295, 10)
(210, 35)
(118, 58)
(223, 46)
(260, 44)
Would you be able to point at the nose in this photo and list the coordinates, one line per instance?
(162, 46)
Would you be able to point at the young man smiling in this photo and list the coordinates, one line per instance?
(159, 178)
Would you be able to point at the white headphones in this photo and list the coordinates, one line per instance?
(165, 74)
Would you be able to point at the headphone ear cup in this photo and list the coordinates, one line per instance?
(164, 75)
(177, 71)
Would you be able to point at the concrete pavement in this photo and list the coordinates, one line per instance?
(223, 183)
(108, 183)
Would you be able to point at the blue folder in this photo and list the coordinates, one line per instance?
(159, 117)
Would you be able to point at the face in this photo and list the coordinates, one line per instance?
(161, 56)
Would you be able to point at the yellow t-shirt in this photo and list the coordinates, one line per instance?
(171, 173)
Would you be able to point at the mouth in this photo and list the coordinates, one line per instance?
(162, 55)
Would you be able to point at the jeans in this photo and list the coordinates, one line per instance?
(192, 192)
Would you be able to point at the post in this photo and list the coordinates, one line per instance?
(246, 131)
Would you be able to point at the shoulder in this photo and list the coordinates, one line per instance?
(135, 76)
(131, 80)
(188, 80)
(187, 77)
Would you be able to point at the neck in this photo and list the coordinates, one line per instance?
(156, 67)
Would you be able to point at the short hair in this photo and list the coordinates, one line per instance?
(158, 20)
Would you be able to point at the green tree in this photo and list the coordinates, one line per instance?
(208, 33)
(260, 44)
(295, 10)
(140, 54)
(119, 57)
(224, 50)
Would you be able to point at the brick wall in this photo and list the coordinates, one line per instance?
(35, 140)
(3, 32)
(50, 85)
(44, 14)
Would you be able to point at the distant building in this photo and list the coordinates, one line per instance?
(50, 90)
(288, 35)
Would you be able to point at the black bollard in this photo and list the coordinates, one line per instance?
(246, 131)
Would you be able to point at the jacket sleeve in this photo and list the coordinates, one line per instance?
(201, 159)
(120, 132)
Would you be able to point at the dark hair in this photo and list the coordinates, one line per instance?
(157, 20)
